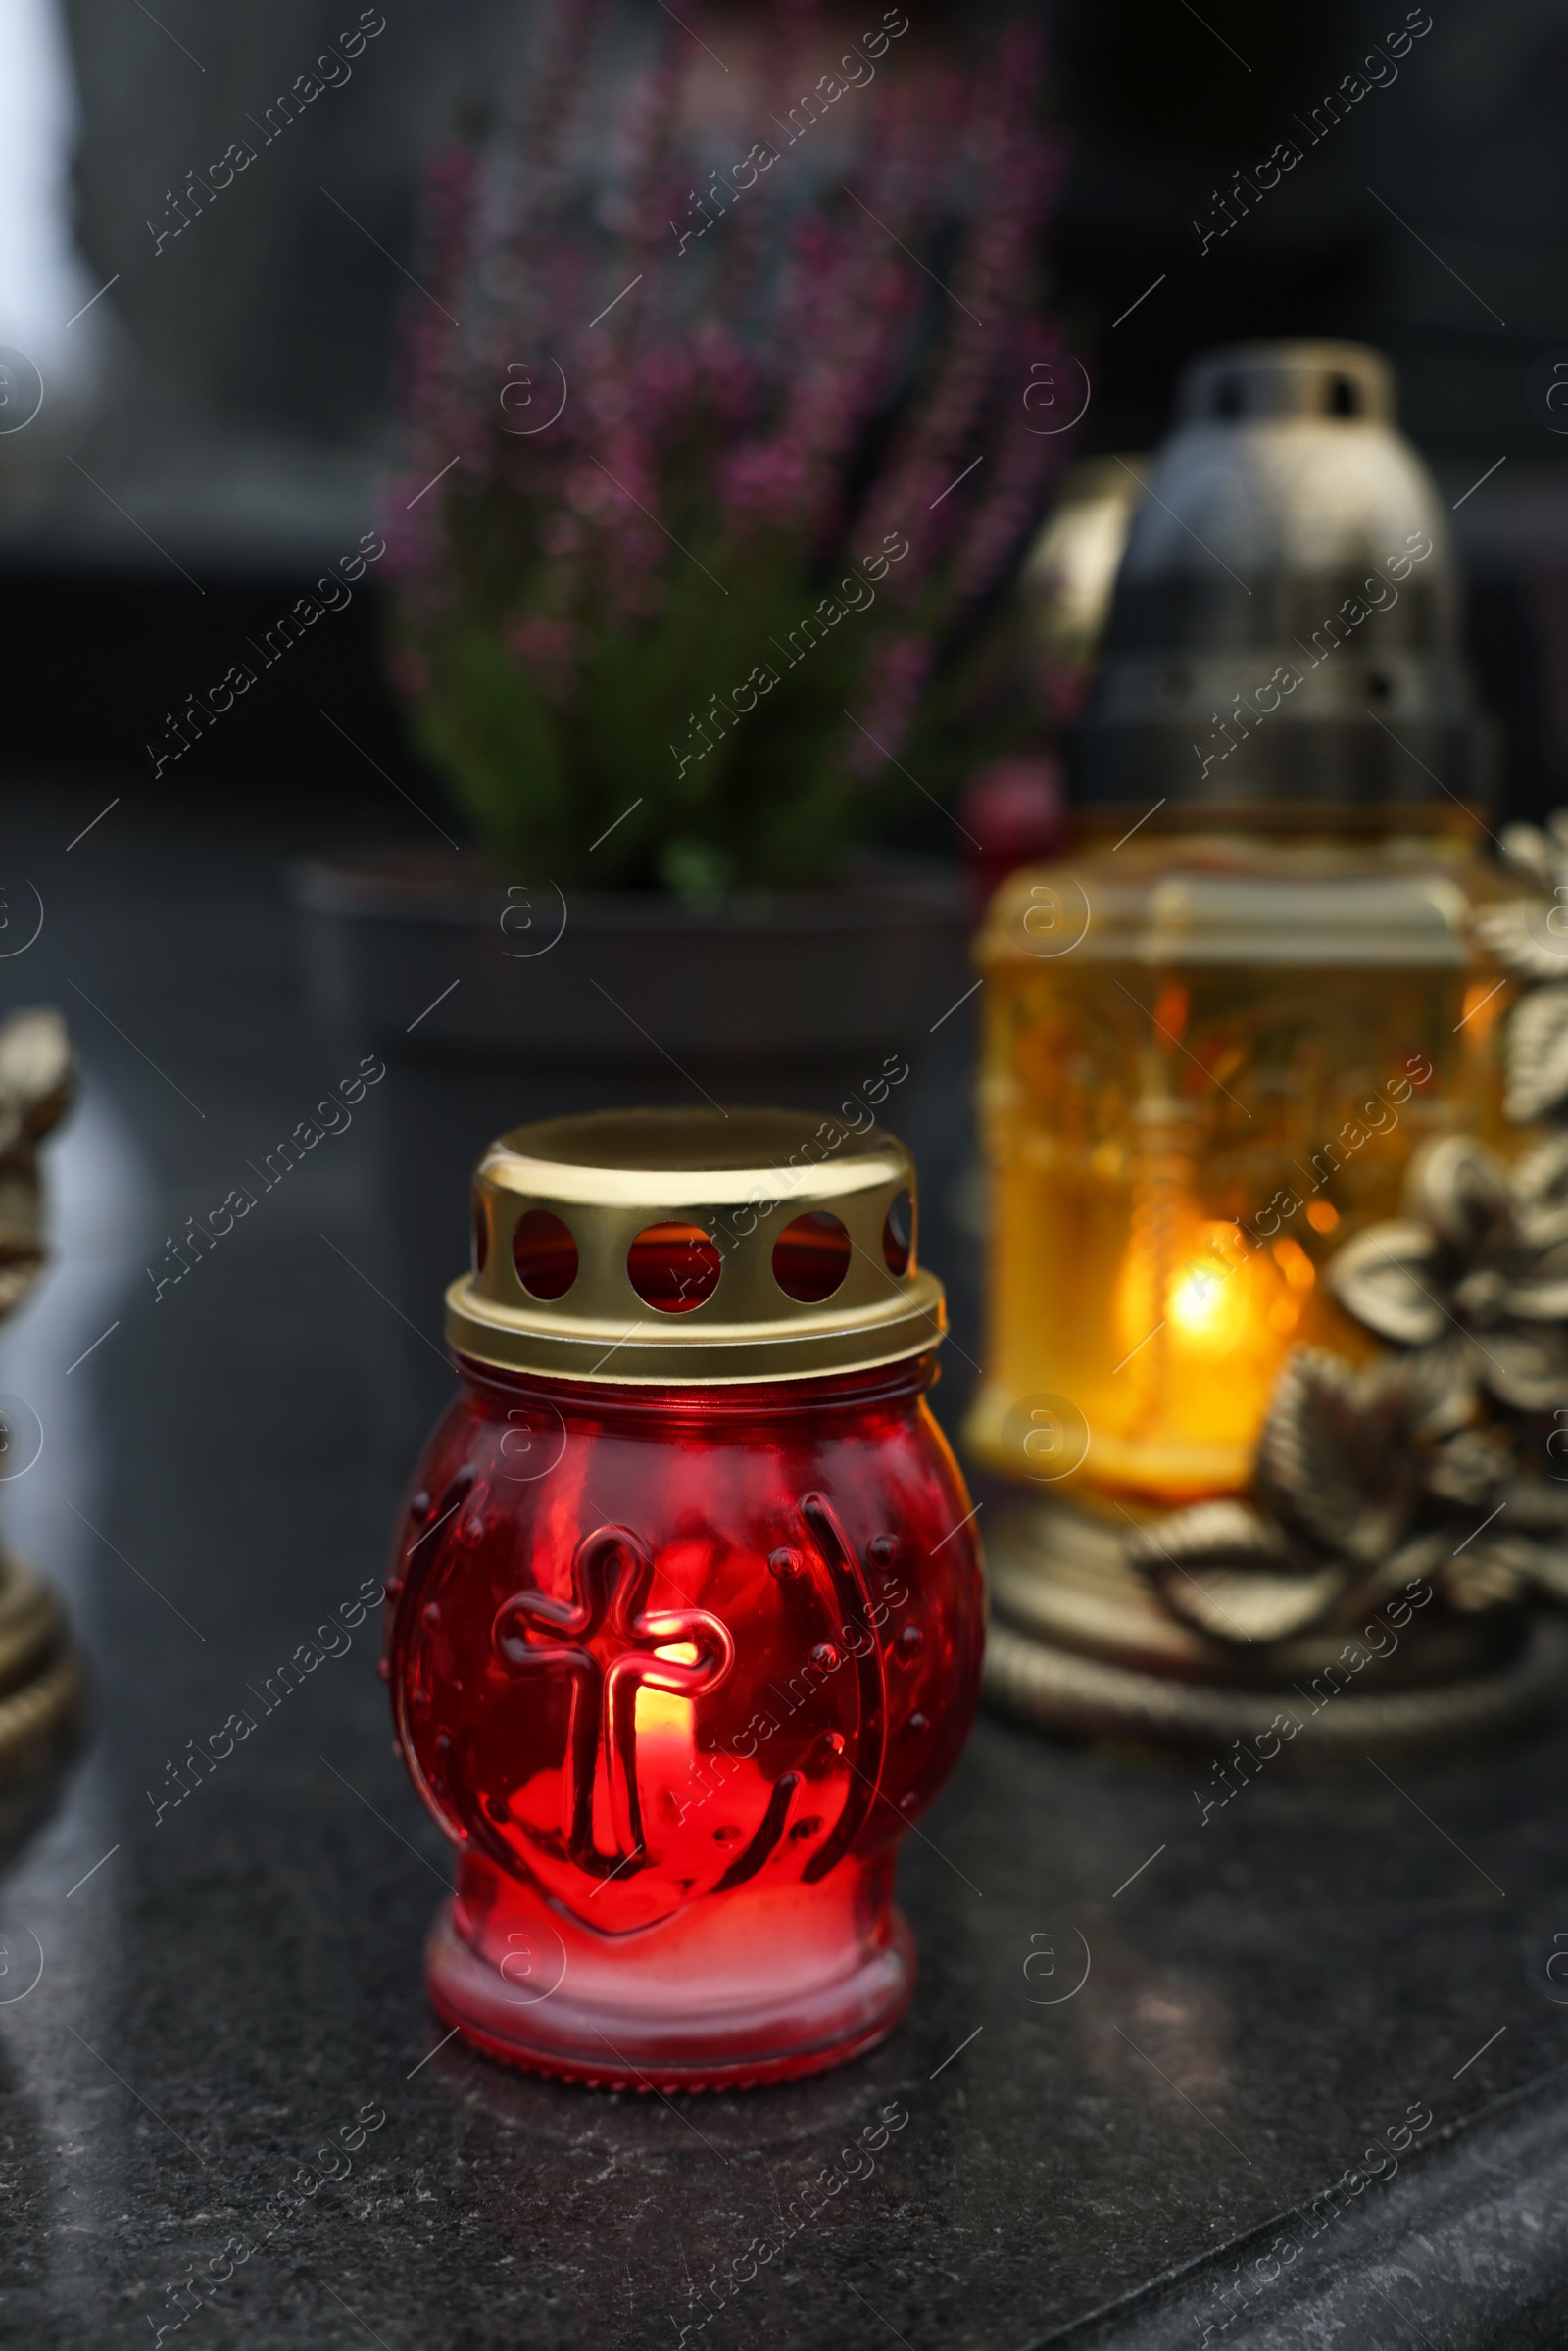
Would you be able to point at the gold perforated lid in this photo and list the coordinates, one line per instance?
(688, 1247)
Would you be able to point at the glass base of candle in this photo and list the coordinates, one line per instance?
(1081, 1644)
(758, 1989)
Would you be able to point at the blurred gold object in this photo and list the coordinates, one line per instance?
(1192, 1108)
(1222, 1044)
(40, 1675)
(1069, 574)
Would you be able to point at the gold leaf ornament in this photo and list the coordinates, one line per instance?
(1227, 1571)
(1334, 1463)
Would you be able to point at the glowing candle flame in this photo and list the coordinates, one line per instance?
(1197, 1299)
(665, 1711)
(1208, 1297)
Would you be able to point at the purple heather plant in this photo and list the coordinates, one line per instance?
(731, 483)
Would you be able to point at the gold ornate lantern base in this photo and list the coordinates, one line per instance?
(1082, 1645)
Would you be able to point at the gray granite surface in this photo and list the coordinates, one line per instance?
(227, 1987)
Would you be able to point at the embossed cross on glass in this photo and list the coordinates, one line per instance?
(607, 1650)
(687, 1620)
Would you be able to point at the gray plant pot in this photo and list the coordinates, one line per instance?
(538, 979)
(493, 1006)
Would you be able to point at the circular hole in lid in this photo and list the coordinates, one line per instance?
(897, 1234)
(673, 1267)
(482, 1233)
(1345, 397)
(1379, 686)
(812, 1256)
(544, 1254)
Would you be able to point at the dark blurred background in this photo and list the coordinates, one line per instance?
(216, 422)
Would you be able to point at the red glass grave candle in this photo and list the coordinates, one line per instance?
(687, 1614)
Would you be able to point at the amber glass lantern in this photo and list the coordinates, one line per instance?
(1214, 1040)
(686, 1616)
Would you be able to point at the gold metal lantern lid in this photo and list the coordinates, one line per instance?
(694, 1247)
(1284, 632)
